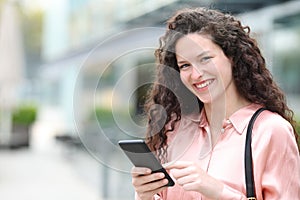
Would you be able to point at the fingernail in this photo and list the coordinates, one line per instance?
(165, 181)
(161, 175)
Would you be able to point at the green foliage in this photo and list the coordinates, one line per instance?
(104, 116)
(298, 132)
(298, 128)
(24, 115)
(32, 30)
(107, 117)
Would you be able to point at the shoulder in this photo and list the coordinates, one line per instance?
(270, 122)
(273, 130)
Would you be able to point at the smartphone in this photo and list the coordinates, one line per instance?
(141, 156)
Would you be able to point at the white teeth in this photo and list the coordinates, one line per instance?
(202, 85)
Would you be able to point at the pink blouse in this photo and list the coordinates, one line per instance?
(276, 158)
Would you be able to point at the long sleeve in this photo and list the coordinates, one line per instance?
(275, 159)
(232, 194)
(277, 162)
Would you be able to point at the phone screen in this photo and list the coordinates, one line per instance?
(141, 156)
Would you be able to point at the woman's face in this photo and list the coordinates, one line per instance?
(204, 68)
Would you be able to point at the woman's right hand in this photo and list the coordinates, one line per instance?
(147, 184)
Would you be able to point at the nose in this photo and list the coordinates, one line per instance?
(197, 72)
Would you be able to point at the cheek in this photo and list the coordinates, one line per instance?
(226, 76)
(224, 72)
(184, 78)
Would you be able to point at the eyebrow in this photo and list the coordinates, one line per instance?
(199, 55)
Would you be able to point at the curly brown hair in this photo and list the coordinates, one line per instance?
(250, 74)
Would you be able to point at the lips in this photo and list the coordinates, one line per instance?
(203, 84)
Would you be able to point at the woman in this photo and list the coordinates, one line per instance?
(211, 78)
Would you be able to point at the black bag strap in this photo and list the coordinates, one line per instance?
(250, 187)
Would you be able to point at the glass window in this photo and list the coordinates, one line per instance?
(286, 54)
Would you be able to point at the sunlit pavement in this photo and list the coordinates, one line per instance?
(51, 170)
(39, 174)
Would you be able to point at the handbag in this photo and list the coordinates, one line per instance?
(249, 178)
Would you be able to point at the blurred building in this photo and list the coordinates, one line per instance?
(12, 67)
(75, 49)
(89, 45)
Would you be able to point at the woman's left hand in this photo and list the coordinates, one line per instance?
(193, 178)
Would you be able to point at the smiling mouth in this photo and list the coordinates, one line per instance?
(203, 84)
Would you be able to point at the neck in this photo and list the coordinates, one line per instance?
(222, 108)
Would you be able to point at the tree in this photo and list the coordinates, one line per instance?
(32, 22)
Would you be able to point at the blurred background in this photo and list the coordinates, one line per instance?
(73, 77)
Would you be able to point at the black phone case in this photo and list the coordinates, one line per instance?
(141, 156)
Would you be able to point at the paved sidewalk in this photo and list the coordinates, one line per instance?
(30, 174)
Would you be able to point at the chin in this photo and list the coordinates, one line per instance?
(205, 100)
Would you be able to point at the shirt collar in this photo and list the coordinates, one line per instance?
(198, 118)
(239, 119)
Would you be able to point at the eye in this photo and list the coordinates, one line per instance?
(205, 59)
(183, 66)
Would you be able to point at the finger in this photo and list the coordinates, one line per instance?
(178, 165)
(189, 186)
(183, 172)
(138, 171)
(186, 180)
(150, 193)
(146, 179)
(179, 173)
(152, 186)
